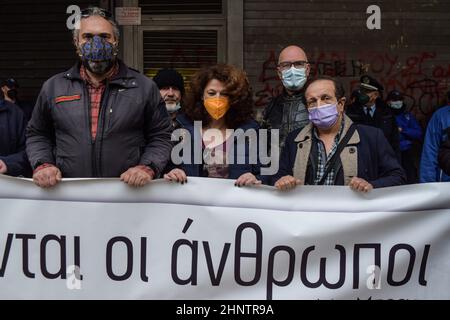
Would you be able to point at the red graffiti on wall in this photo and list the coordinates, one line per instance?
(271, 82)
(419, 77)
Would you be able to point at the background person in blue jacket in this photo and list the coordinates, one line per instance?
(332, 150)
(220, 97)
(13, 158)
(410, 133)
(435, 136)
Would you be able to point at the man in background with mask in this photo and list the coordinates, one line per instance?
(100, 118)
(369, 109)
(332, 150)
(10, 92)
(171, 88)
(287, 112)
(410, 133)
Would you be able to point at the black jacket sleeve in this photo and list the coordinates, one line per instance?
(40, 133)
(390, 172)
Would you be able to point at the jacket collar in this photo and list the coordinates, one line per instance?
(124, 77)
(306, 133)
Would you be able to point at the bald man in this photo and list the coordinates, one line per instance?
(287, 112)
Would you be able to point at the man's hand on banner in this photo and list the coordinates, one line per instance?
(47, 177)
(137, 176)
(247, 179)
(176, 175)
(360, 185)
(287, 183)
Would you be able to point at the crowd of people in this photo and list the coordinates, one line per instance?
(104, 119)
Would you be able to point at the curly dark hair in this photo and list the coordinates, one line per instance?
(237, 88)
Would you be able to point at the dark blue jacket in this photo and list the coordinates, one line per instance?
(411, 130)
(235, 170)
(12, 139)
(376, 161)
(382, 119)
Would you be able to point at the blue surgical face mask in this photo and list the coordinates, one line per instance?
(293, 78)
(98, 55)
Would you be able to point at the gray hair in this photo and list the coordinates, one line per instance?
(95, 11)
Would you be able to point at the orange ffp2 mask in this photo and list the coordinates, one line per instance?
(217, 107)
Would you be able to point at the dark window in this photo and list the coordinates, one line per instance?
(181, 7)
(183, 50)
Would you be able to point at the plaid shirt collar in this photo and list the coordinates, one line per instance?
(323, 158)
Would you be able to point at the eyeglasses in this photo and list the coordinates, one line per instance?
(297, 64)
(96, 11)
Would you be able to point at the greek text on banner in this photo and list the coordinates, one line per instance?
(100, 239)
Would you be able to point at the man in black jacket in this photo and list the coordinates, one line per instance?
(369, 109)
(13, 159)
(100, 118)
(287, 112)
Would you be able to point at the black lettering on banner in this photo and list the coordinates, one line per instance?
(356, 251)
(144, 276)
(61, 273)
(270, 276)
(109, 268)
(322, 276)
(391, 265)
(192, 279)
(257, 255)
(25, 253)
(215, 279)
(77, 258)
(6, 252)
(423, 265)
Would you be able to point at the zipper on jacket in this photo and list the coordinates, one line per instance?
(89, 128)
(101, 129)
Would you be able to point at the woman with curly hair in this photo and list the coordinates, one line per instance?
(221, 99)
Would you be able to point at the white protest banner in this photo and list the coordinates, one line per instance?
(100, 239)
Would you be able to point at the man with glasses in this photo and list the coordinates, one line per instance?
(369, 109)
(100, 118)
(287, 112)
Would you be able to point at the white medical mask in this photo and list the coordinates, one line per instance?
(173, 107)
(396, 105)
(293, 78)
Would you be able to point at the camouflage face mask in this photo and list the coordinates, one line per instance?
(98, 55)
